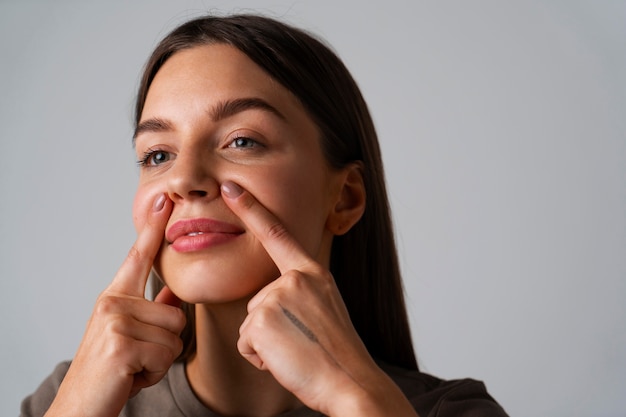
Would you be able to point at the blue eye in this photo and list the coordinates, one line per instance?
(153, 158)
(242, 142)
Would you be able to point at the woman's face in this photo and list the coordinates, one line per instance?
(211, 115)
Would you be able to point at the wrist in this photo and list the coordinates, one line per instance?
(373, 396)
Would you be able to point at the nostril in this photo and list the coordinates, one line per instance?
(198, 193)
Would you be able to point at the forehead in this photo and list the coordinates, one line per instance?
(216, 71)
(218, 79)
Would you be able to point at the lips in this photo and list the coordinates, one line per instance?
(197, 234)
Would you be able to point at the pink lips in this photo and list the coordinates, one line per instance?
(197, 234)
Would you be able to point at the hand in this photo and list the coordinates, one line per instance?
(130, 342)
(298, 327)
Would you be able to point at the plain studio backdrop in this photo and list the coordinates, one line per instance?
(503, 131)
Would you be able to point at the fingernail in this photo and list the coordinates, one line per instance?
(231, 190)
(159, 203)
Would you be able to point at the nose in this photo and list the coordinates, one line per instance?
(190, 178)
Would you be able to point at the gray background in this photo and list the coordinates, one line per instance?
(503, 130)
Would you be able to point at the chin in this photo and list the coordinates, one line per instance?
(216, 296)
(198, 284)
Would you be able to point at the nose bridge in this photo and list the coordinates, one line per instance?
(191, 176)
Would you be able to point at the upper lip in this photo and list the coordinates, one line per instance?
(200, 225)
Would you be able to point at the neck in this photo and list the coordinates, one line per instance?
(221, 378)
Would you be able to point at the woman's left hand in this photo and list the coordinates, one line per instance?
(298, 328)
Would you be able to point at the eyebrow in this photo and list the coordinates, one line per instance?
(152, 125)
(227, 108)
(220, 111)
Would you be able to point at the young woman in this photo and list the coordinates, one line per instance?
(262, 211)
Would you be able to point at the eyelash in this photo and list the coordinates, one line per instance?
(252, 143)
(145, 160)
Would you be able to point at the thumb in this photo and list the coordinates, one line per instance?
(132, 276)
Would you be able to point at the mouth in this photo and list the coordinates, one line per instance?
(190, 235)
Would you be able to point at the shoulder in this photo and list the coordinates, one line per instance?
(39, 401)
(159, 399)
(432, 396)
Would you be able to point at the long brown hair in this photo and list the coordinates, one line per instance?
(364, 260)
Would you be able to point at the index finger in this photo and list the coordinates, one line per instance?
(132, 276)
(282, 247)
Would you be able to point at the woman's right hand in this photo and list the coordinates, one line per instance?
(130, 342)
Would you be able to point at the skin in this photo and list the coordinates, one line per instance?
(272, 330)
(285, 159)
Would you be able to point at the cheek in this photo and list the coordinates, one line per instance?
(299, 201)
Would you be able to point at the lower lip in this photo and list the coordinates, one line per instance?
(200, 242)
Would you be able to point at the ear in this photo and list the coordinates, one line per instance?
(350, 203)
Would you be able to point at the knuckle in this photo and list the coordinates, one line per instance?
(134, 254)
(319, 271)
(293, 279)
(178, 348)
(273, 298)
(107, 305)
(324, 278)
(157, 357)
(118, 346)
(248, 202)
(265, 317)
(179, 319)
(168, 354)
(262, 318)
(118, 325)
(327, 279)
(276, 231)
(242, 345)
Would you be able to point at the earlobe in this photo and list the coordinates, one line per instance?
(350, 203)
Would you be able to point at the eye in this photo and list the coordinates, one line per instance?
(243, 142)
(154, 157)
